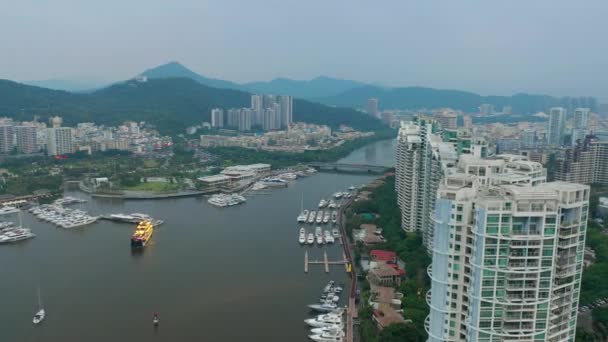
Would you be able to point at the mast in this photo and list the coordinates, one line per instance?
(39, 299)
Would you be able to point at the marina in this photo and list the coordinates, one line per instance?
(62, 217)
(174, 268)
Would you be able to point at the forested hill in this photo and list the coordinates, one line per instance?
(170, 103)
(418, 98)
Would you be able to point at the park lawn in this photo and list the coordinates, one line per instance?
(154, 186)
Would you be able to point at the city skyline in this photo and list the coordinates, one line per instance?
(483, 62)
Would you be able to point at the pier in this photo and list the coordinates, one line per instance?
(325, 262)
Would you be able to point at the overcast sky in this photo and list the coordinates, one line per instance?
(557, 47)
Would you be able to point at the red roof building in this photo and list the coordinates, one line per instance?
(381, 255)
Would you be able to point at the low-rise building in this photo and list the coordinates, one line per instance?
(215, 180)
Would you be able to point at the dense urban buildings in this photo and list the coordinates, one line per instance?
(508, 251)
(421, 160)
(585, 163)
(298, 137)
(268, 111)
(555, 130)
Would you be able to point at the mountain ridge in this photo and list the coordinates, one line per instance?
(171, 104)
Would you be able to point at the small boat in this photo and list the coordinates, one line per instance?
(338, 195)
(335, 233)
(39, 316)
(302, 237)
(334, 217)
(156, 320)
(351, 188)
(322, 203)
(310, 239)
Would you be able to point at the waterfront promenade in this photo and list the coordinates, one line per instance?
(351, 311)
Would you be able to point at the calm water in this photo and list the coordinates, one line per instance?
(231, 274)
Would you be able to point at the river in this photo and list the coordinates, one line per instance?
(230, 274)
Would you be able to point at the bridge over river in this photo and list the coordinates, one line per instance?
(351, 168)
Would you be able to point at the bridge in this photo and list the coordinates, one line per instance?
(345, 167)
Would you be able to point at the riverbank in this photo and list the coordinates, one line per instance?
(239, 155)
(382, 203)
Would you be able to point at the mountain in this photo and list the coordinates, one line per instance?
(170, 103)
(321, 86)
(67, 85)
(427, 98)
(175, 69)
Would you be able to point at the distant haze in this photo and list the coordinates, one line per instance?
(555, 47)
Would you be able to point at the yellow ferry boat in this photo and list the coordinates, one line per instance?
(142, 234)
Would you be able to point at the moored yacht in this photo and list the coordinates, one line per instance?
(335, 233)
(337, 195)
(311, 216)
(303, 216)
(302, 237)
(325, 320)
(334, 217)
(319, 216)
(322, 203)
(326, 217)
(8, 210)
(328, 337)
(310, 239)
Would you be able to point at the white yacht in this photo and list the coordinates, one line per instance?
(303, 216)
(351, 188)
(336, 328)
(332, 204)
(224, 200)
(328, 337)
(310, 239)
(311, 216)
(288, 176)
(326, 217)
(325, 307)
(39, 316)
(319, 216)
(302, 237)
(337, 195)
(274, 181)
(8, 210)
(5, 225)
(303, 212)
(258, 186)
(328, 238)
(335, 233)
(320, 240)
(325, 320)
(318, 232)
(334, 217)
(322, 203)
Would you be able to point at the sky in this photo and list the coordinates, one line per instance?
(555, 47)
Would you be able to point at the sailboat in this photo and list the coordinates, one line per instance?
(156, 320)
(39, 316)
(303, 213)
